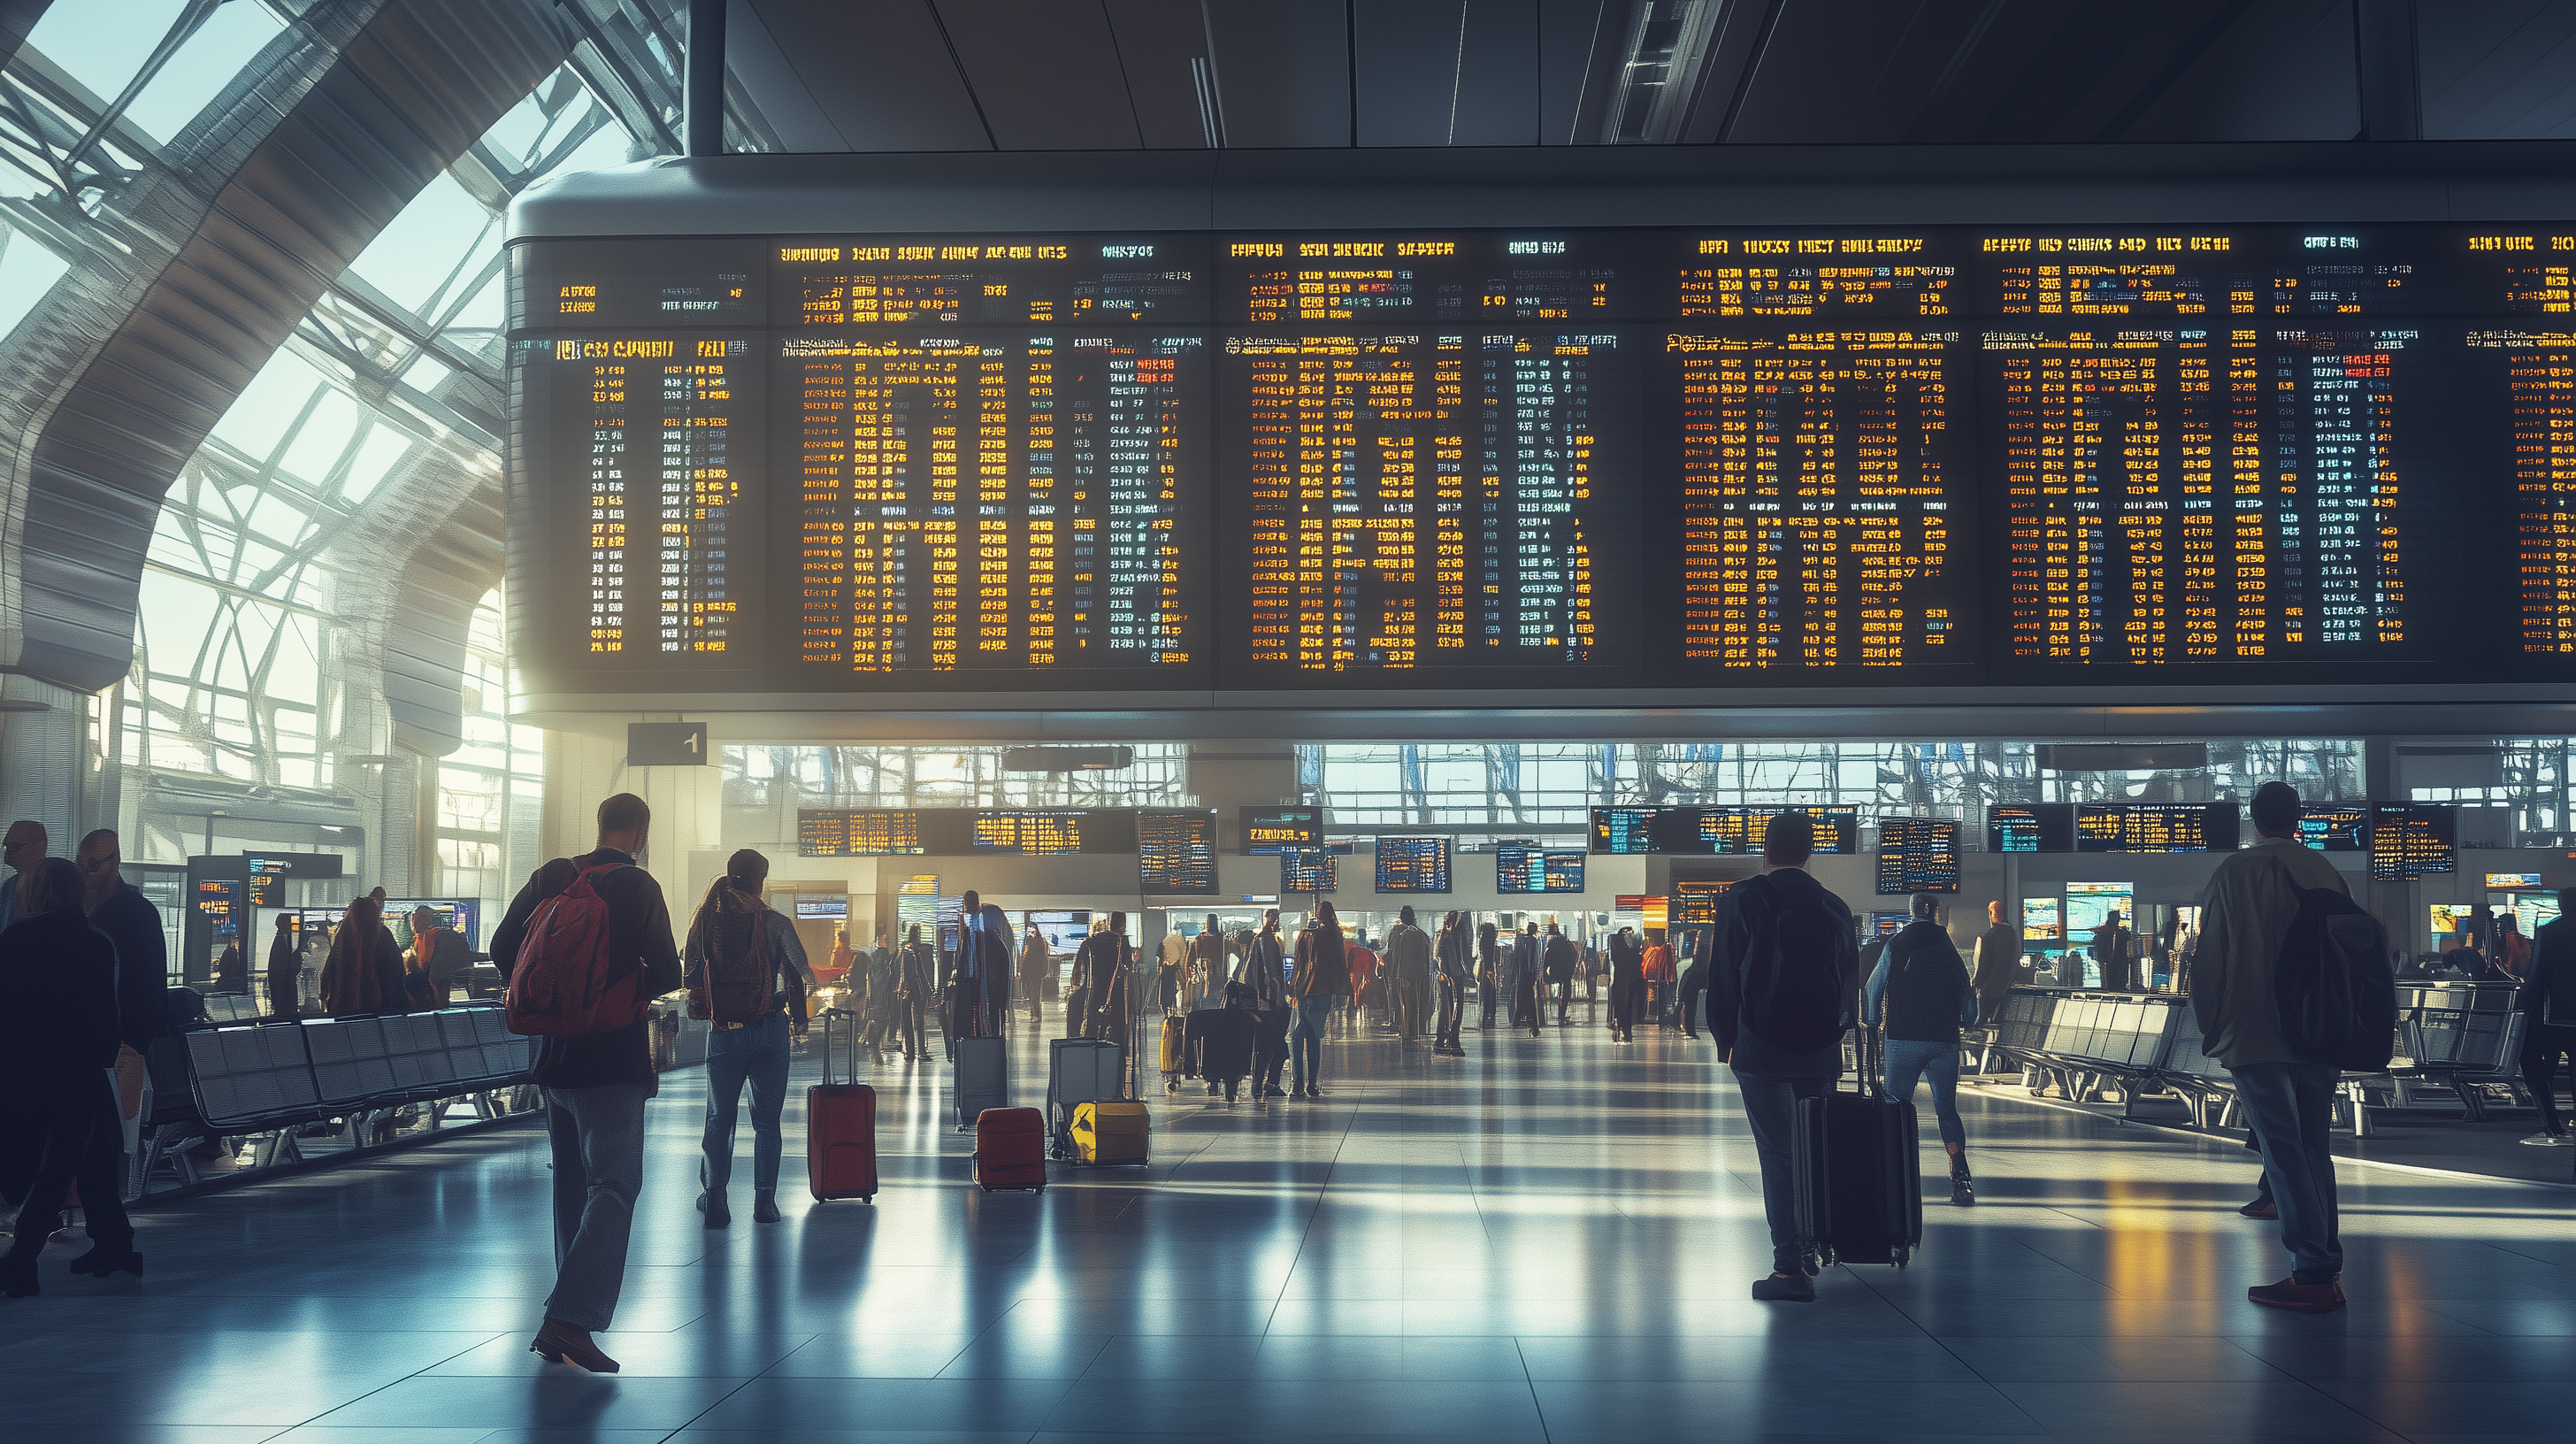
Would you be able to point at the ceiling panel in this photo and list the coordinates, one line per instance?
(1577, 51)
(1498, 74)
(1283, 72)
(880, 72)
(1046, 72)
(2497, 69)
(2285, 71)
(1157, 40)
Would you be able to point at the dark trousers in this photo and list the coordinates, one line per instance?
(1451, 1004)
(1412, 1006)
(75, 1133)
(2289, 1106)
(1269, 1050)
(1690, 1006)
(1077, 1013)
(909, 1022)
(1491, 998)
(1623, 1005)
(1531, 1006)
(2543, 1050)
(1771, 1107)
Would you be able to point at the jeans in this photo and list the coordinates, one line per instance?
(2288, 1105)
(1771, 1107)
(598, 1140)
(76, 1133)
(908, 1021)
(1909, 1059)
(1306, 1038)
(756, 1054)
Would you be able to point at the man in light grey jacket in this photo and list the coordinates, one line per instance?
(1408, 962)
(2246, 914)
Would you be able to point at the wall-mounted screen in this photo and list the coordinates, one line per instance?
(1269, 830)
(822, 907)
(857, 832)
(1523, 869)
(2030, 827)
(1308, 870)
(2155, 826)
(1917, 854)
(1544, 458)
(463, 914)
(1413, 864)
(1715, 831)
(2336, 829)
(1694, 900)
(1176, 853)
(2412, 840)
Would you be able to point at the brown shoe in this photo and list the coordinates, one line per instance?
(560, 1343)
(2261, 1208)
(2297, 1297)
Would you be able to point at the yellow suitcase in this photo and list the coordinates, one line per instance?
(1109, 1131)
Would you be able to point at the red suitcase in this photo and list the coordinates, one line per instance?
(1010, 1149)
(841, 1124)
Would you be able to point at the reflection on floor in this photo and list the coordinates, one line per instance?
(1551, 1239)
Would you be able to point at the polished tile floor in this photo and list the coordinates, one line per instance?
(1550, 1240)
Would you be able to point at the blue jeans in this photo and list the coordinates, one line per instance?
(1908, 1059)
(757, 1053)
(1306, 1037)
(2289, 1106)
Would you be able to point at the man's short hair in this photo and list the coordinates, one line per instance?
(969, 900)
(101, 836)
(625, 812)
(1405, 912)
(2276, 809)
(1926, 904)
(1789, 839)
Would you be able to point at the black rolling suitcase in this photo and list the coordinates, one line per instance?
(1858, 1171)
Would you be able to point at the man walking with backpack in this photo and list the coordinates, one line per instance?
(586, 947)
(1783, 972)
(2253, 903)
(746, 973)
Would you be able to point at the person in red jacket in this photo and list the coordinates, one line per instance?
(1659, 980)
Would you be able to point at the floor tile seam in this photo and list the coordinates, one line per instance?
(1540, 1409)
(1306, 1234)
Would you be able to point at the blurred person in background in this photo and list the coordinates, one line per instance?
(58, 1037)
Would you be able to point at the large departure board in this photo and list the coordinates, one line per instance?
(1314, 870)
(2156, 827)
(1176, 852)
(1413, 864)
(1520, 868)
(1917, 854)
(858, 832)
(1504, 460)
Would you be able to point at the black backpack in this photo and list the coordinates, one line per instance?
(2334, 986)
(1792, 973)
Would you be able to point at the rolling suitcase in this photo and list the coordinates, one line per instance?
(1109, 1130)
(1080, 1070)
(980, 1078)
(1175, 1051)
(1857, 1172)
(841, 1124)
(1010, 1150)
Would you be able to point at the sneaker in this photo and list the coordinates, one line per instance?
(1963, 1191)
(1785, 1288)
(2297, 1297)
(2547, 1140)
(2261, 1208)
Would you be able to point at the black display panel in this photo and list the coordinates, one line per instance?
(2336, 829)
(1410, 506)
(984, 510)
(1694, 902)
(1917, 854)
(1281, 829)
(1176, 852)
(2281, 455)
(1707, 831)
(2155, 827)
(2030, 827)
(1521, 869)
(2412, 840)
(859, 832)
(1014, 280)
(1308, 870)
(1051, 831)
(1413, 864)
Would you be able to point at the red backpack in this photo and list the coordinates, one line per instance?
(566, 983)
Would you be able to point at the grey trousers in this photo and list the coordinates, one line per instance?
(598, 1138)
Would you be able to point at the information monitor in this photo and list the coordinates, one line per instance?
(858, 832)
(2336, 829)
(1413, 864)
(1176, 852)
(1312, 870)
(2412, 839)
(1694, 901)
(1520, 868)
(2155, 827)
(1281, 829)
(2030, 827)
(1917, 854)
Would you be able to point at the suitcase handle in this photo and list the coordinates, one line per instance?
(1870, 1053)
(828, 1015)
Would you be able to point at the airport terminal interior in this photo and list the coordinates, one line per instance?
(1007, 720)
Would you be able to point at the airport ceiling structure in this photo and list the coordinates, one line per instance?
(249, 249)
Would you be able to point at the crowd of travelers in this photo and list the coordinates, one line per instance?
(1780, 974)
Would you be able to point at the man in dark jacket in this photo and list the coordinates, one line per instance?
(2548, 998)
(119, 909)
(58, 1035)
(2115, 952)
(1265, 972)
(1921, 987)
(1773, 1073)
(1408, 965)
(597, 1084)
(1455, 949)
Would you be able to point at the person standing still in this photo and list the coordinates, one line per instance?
(2549, 994)
(596, 1084)
(885, 980)
(1802, 995)
(2246, 913)
(1529, 990)
(1454, 950)
(1408, 964)
(59, 1033)
(912, 989)
(1322, 981)
(1206, 968)
(747, 976)
(23, 847)
(446, 958)
(1921, 987)
(1037, 965)
(1998, 964)
(1265, 972)
(1627, 980)
(2114, 951)
(285, 967)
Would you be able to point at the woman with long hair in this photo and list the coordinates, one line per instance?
(364, 972)
(1323, 979)
(746, 973)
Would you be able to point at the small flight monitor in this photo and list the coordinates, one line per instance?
(2412, 840)
(2155, 827)
(2336, 829)
(1311, 870)
(1694, 901)
(857, 832)
(1624, 831)
(1268, 830)
(1413, 864)
(2030, 827)
(1176, 852)
(1523, 869)
(1917, 854)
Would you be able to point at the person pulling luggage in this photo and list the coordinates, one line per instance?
(1921, 986)
(1265, 973)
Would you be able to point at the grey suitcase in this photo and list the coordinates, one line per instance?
(1080, 1070)
(981, 1078)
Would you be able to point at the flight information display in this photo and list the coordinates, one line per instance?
(2412, 839)
(1917, 854)
(1308, 870)
(1176, 852)
(2030, 827)
(1519, 868)
(1572, 458)
(1281, 829)
(2336, 829)
(1715, 830)
(857, 832)
(2155, 827)
(1694, 902)
(1413, 864)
